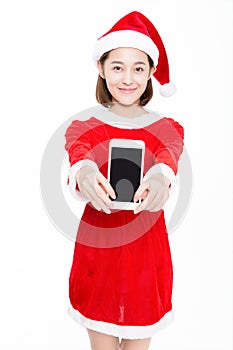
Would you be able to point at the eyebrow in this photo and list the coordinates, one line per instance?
(120, 62)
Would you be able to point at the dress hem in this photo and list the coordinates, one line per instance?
(127, 332)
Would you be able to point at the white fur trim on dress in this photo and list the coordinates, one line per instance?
(164, 169)
(105, 115)
(72, 175)
(127, 332)
(126, 38)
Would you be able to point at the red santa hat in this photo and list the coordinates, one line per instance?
(135, 30)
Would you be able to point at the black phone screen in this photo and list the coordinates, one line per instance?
(125, 172)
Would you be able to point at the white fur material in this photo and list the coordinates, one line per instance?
(127, 332)
(164, 169)
(105, 115)
(72, 174)
(126, 38)
(167, 90)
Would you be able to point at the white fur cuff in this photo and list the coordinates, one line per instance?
(164, 169)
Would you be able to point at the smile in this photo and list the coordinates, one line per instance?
(127, 90)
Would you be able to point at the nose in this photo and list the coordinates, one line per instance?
(127, 77)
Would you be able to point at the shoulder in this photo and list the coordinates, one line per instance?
(174, 124)
(155, 118)
(166, 127)
(81, 124)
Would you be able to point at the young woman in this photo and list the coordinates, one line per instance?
(121, 277)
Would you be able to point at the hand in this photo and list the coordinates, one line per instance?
(95, 188)
(154, 192)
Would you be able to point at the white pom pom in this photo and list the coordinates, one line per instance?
(167, 90)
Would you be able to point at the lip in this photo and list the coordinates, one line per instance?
(127, 90)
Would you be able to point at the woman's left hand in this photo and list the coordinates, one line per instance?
(154, 192)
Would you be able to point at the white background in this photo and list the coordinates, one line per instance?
(46, 76)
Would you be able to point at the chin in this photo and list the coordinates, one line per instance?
(127, 102)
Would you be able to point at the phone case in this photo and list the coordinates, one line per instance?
(125, 170)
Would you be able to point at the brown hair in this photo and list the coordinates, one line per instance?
(104, 96)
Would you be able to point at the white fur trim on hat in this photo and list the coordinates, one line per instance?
(126, 38)
(167, 90)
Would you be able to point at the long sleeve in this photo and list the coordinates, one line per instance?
(79, 148)
(170, 136)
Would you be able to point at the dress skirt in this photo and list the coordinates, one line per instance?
(121, 276)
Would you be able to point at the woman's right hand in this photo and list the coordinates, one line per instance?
(95, 188)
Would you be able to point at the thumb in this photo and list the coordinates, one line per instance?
(105, 184)
(141, 191)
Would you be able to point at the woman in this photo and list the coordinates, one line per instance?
(121, 276)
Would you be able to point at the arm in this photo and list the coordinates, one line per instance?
(160, 178)
(85, 179)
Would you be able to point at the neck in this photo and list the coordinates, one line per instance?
(131, 111)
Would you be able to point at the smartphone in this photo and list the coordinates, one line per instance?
(125, 170)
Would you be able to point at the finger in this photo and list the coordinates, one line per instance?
(141, 189)
(157, 198)
(142, 196)
(94, 196)
(84, 194)
(158, 204)
(98, 201)
(147, 202)
(141, 206)
(95, 205)
(164, 197)
(91, 200)
(105, 183)
(102, 194)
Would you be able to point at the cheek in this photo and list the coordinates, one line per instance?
(112, 83)
(142, 80)
(113, 79)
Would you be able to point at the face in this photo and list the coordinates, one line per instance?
(126, 71)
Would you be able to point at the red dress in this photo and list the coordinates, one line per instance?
(121, 277)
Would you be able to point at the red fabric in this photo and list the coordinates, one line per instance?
(128, 284)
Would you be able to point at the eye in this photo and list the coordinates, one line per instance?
(117, 68)
(139, 69)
